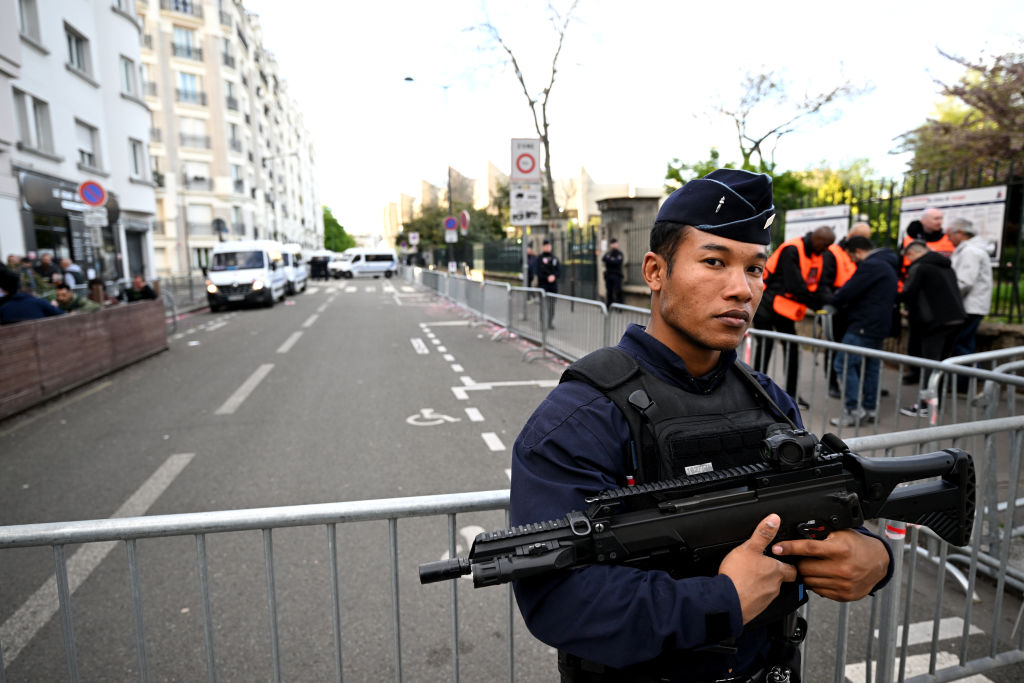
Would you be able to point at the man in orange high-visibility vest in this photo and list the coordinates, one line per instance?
(844, 268)
(793, 282)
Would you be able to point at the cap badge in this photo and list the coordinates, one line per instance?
(720, 202)
(768, 222)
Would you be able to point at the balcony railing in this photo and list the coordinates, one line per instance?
(200, 141)
(156, 135)
(191, 7)
(147, 41)
(198, 183)
(187, 52)
(149, 87)
(235, 144)
(203, 228)
(232, 103)
(238, 228)
(239, 186)
(225, 18)
(229, 60)
(190, 96)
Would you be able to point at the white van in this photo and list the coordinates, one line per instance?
(247, 271)
(294, 268)
(361, 262)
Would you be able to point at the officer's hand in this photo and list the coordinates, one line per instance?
(843, 567)
(756, 576)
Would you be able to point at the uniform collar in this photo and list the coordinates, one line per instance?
(664, 362)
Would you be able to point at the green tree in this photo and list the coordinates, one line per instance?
(335, 237)
(483, 227)
(679, 173)
(980, 121)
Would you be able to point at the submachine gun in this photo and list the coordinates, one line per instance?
(688, 525)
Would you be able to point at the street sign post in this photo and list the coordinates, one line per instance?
(451, 227)
(92, 193)
(525, 160)
(524, 203)
(463, 223)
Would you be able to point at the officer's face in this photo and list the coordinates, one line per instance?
(708, 300)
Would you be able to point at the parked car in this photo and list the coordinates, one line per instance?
(362, 262)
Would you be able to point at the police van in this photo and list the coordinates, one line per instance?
(246, 271)
(294, 268)
(362, 262)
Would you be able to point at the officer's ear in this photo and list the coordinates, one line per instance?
(654, 270)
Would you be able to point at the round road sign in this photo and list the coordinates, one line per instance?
(525, 163)
(450, 223)
(92, 193)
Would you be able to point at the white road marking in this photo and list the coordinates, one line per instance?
(450, 323)
(242, 393)
(492, 441)
(447, 356)
(312, 290)
(351, 289)
(921, 632)
(38, 610)
(457, 368)
(435, 341)
(310, 320)
(442, 349)
(369, 290)
(407, 288)
(289, 342)
(916, 664)
(322, 308)
(420, 347)
(474, 415)
(467, 380)
(216, 326)
(462, 394)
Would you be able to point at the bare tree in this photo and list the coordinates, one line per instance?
(539, 102)
(764, 88)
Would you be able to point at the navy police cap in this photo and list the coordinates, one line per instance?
(729, 202)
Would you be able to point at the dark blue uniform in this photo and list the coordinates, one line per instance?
(572, 447)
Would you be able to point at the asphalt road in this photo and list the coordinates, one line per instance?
(350, 391)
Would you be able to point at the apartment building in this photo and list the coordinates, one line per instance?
(68, 77)
(231, 157)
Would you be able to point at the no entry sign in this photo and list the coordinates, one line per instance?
(92, 193)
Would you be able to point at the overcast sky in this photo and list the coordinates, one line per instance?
(637, 83)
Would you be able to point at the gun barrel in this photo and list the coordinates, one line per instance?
(432, 572)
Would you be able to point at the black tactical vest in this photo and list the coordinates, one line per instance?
(674, 432)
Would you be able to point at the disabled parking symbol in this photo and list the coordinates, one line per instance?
(428, 418)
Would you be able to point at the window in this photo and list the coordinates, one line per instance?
(184, 44)
(33, 117)
(78, 50)
(190, 88)
(136, 158)
(86, 136)
(128, 84)
(28, 16)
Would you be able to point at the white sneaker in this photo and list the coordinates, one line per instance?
(848, 419)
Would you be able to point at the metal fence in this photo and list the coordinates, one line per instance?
(990, 570)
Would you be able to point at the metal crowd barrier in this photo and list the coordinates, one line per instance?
(884, 638)
(583, 325)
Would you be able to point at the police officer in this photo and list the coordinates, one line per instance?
(627, 623)
(612, 260)
(548, 270)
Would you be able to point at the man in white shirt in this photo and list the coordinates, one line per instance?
(973, 268)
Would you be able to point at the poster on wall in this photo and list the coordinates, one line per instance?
(984, 207)
(802, 221)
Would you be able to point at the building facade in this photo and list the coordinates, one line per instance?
(231, 157)
(68, 75)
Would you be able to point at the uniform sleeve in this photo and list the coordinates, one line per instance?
(574, 446)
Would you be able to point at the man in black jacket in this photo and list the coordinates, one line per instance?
(548, 270)
(935, 310)
(867, 299)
